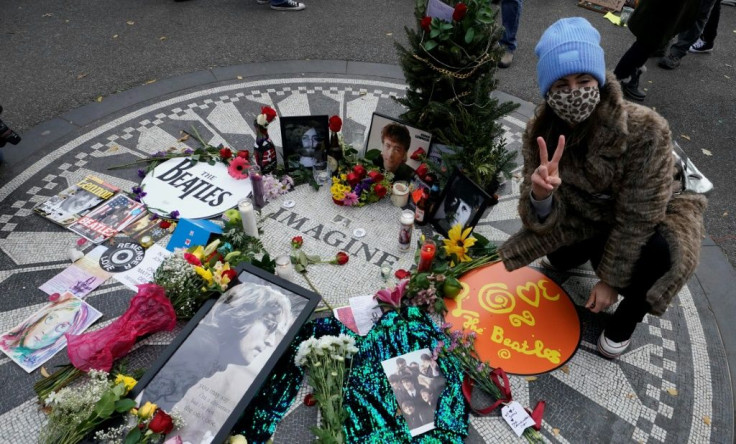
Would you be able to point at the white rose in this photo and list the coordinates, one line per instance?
(261, 120)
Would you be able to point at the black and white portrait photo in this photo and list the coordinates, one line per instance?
(461, 202)
(211, 371)
(304, 139)
(417, 384)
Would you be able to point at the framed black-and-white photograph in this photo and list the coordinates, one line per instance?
(461, 202)
(396, 142)
(417, 383)
(304, 139)
(216, 365)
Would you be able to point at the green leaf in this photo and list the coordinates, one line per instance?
(428, 45)
(469, 35)
(133, 437)
(106, 405)
(434, 33)
(446, 26)
(124, 405)
(314, 259)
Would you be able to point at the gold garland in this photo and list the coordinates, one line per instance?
(483, 60)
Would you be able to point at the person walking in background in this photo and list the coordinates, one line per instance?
(510, 17)
(606, 192)
(653, 22)
(705, 43)
(687, 38)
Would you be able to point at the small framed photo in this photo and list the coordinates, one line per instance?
(216, 365)
(417, 383)
(395, 142)
(461, 202)
(304, 140)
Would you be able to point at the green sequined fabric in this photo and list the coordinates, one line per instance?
(370, 403)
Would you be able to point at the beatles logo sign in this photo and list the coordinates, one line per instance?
(197, 190)
(524, 322)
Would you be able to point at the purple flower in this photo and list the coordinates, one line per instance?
(174, 215)
(141, 174)
(188, 151)
(159, 154)
(137, 190)
(153, 216)
(142, 194)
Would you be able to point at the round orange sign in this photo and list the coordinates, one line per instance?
(524, 322)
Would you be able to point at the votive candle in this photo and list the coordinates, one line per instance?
(284, 268)
(426, 255)
(256, 181)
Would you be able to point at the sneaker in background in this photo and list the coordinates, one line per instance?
(610, 349)
(701, 47)
(506, 59)
(289, 5)
(669, 62)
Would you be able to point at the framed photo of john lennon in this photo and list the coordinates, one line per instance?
(461, 202)
(304, 140)
(216, 365)
(391, 144)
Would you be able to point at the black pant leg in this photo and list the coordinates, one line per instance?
(635, 57)
(711, 27)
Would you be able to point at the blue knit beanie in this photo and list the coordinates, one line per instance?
(569, 46)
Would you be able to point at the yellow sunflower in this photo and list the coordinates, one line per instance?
(458, 242)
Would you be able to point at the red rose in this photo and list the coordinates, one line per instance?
(418, 154)
(309, 400)
(269, 112)
(341, 258)
(164, 224)
(460, 11)
(335, 124)
(231, 274)
(359, 171)
(161, 423)
(214, 258)
(380, 190)
(192, 259)
(353, 179)
(245, 154)
(422, 170)
(426, 22)
(297, 241)
(226, 153)
(401, 274)
(375, 176)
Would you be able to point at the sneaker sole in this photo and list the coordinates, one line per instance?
(287, 8)
(700, 51)
(610, 355)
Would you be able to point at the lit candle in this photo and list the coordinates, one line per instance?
(256, 180)
(248, 217)
(426, 255)
(146, 241)
(283, 268)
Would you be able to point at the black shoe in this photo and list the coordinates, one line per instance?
(630, 87)
(290, 5)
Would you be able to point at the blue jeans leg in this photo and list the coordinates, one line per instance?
(510, 16)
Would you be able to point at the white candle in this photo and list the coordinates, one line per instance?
(248, 216)
(284, 269)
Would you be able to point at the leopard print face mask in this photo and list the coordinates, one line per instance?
(574, 106)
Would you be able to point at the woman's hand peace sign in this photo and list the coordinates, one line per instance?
(546, 178)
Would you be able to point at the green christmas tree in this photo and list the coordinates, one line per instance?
(449, 68)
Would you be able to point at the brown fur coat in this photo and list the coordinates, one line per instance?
(625, 153)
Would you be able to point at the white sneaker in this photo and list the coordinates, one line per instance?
(609, 349)
(290, 5)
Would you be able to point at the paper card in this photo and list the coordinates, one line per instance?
(515, 416)
(366, 313)
(345, 315)
(81, 277)
(38, 338)
(143, 272)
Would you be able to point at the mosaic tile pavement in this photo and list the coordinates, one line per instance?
(667, 388)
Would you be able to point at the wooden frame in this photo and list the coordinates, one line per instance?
(217, 364)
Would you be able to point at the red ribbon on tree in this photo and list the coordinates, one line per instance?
(150, 311)
(498, 375)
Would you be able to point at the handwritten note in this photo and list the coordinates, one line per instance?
(515, 416)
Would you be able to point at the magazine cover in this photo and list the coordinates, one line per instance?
(38, 338)
(109, 218)
(71, 204)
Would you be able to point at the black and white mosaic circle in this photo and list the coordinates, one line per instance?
(671, 386)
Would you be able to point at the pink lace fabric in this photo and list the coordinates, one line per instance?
(150, 311)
